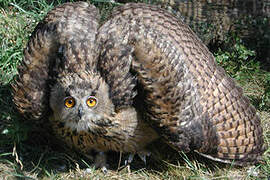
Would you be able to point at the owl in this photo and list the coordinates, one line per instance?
(140, 76)
(59, 81)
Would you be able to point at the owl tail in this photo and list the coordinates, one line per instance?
(233, 132)
(68, 23)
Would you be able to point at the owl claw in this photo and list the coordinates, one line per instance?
(129, 160)
(100, 162)
(143, 156)
(104, 169)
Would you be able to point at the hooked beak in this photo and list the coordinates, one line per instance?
(80, 111)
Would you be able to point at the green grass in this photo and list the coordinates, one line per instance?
(27, 151)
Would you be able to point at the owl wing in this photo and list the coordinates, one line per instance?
(188, 99)
(67, 30)
(114, 66)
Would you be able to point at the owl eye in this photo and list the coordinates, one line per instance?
(69, 102)
(91, 101)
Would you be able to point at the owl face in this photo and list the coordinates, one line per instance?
(81, 102)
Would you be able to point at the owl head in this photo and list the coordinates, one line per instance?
(81, 101)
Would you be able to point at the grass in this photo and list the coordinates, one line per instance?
(27, 151)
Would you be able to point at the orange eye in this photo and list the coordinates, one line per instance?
(69, 102)
(91, 101)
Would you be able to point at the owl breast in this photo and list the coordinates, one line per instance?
(125, 133)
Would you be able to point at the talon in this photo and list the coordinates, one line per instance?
(143, 156)
(129, 160)
(104, 169)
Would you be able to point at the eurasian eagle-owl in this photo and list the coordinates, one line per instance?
(60, 69)
(91, 76)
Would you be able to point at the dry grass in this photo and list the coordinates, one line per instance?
(28, 152)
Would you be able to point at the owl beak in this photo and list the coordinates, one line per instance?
(80, 111)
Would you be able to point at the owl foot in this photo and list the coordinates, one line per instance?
(100, 162)
(129, 160)
(127, 163)
(142, 156)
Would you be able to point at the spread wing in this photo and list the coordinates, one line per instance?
(188, 99)
(114, 65)
(68, 29)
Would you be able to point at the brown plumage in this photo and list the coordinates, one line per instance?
(66, 25)
(59, 80)
(188, 98)
(141, 72)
